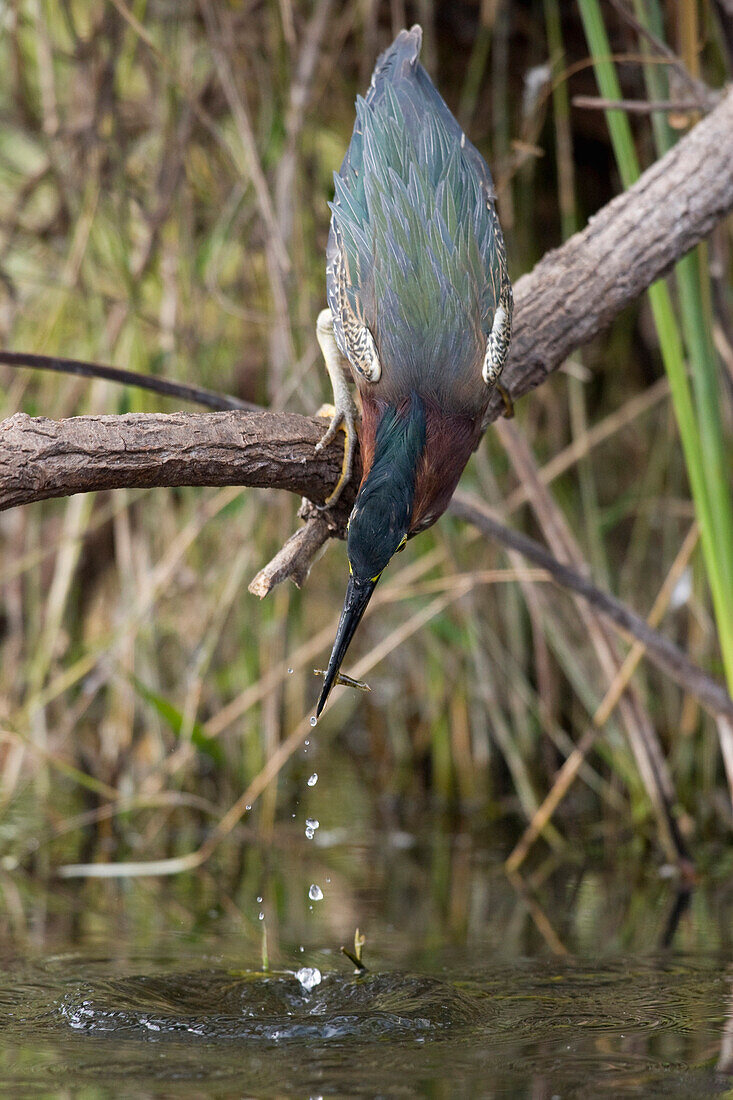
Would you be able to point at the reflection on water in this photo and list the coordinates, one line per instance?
(599, 979)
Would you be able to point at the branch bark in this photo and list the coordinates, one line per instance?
(41, 458)
(572, 293)
(575, 291)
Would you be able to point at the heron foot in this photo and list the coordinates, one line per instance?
(507, 399)
(342, 419)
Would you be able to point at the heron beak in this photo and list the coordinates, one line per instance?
(355, 604)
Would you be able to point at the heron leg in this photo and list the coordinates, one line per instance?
(344, 412)
(497, 345)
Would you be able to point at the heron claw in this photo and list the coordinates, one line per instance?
(507, 399)
(341, 420)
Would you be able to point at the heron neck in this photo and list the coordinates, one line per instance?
(392, 448)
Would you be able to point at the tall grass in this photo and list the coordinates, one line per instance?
(138, 680)
(697, 410)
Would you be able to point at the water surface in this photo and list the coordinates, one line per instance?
(599, 979)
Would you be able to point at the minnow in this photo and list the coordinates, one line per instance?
(347, 681)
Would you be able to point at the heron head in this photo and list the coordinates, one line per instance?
(380, 520)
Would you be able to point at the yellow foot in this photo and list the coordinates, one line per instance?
(507, 399)
(344, 421)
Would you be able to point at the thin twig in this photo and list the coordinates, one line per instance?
(663, 653)
(699, 90)
(181, 390)
(572, 765)
(294, 560)
(634, 106)
(640, 731)
(271, 769)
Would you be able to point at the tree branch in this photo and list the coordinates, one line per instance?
(572, 293)
(42, 458)
(576, 290)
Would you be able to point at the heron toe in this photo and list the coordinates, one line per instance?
(342, 419)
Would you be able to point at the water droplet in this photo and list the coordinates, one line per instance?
(309, 833)
(314, 720)
(312, 823)
(259, 900)
(315, 893)
(313, 779)
(309, 977)
(248, 806)
(682, 591)
(290, 672)
(261, 916)
(306, 742)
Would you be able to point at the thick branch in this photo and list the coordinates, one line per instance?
(571, 295)
(42, 458)
(575, 291)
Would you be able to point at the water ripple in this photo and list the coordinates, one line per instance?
(218, 1005)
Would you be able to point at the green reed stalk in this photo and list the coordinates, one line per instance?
(699, 422)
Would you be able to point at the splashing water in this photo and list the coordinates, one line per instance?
(309, 977)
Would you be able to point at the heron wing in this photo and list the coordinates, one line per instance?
(415, 256)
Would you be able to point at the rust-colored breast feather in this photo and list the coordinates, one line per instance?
(450, 440)
(372, 412)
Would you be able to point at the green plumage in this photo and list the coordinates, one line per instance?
(413, 215)
(381, 515)
(421, 306)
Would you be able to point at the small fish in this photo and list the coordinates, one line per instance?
(347, 681)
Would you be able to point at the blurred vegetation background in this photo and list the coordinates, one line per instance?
(165, 167)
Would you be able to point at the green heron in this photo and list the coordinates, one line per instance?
(419, 317)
